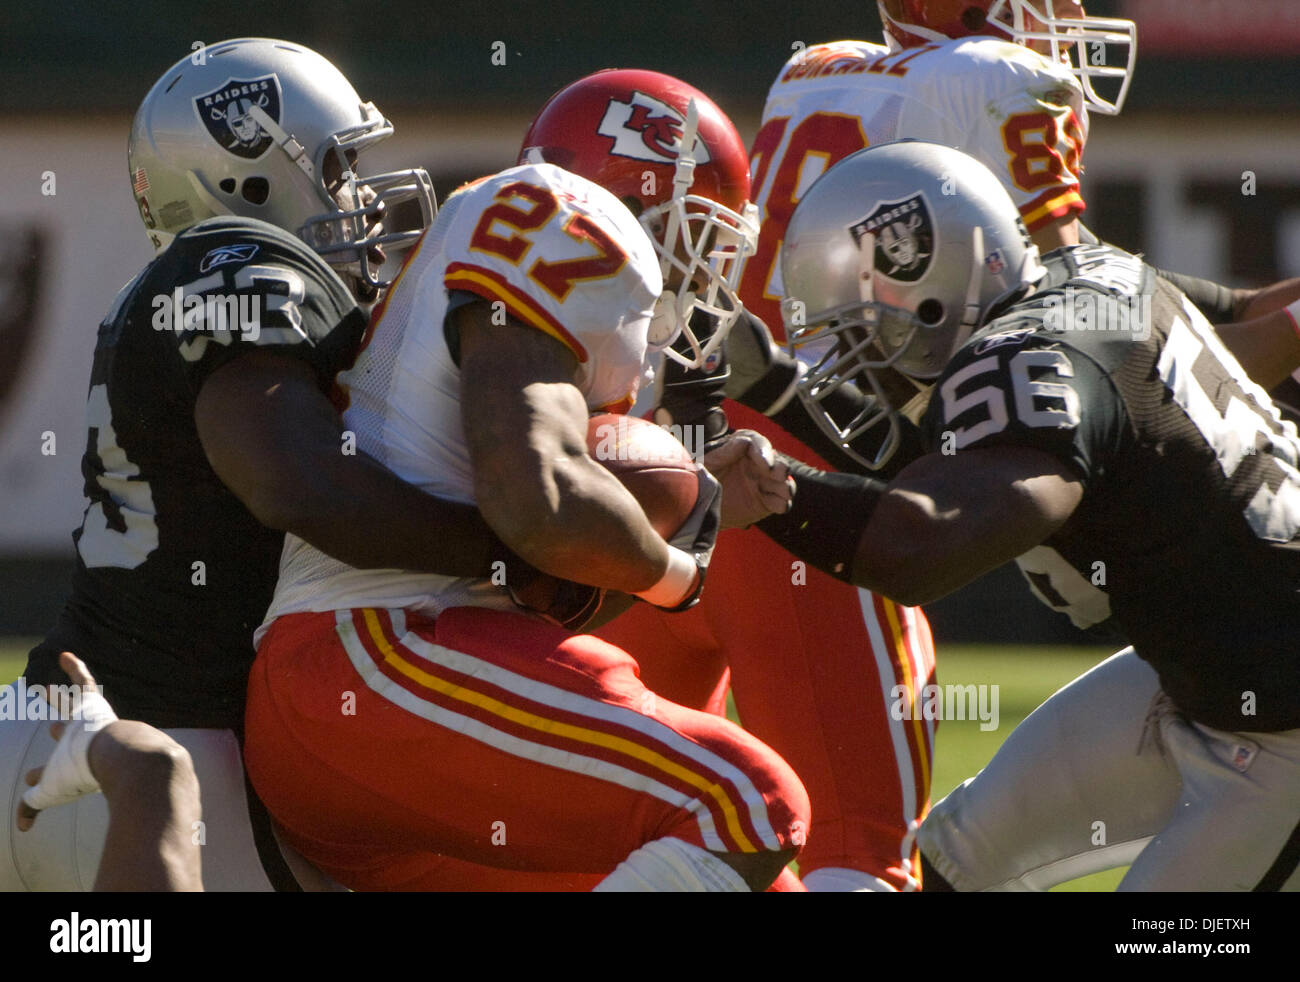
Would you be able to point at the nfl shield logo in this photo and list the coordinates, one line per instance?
(227, 112)
(904, 237)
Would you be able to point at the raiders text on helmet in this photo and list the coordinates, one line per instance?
(271, 130)
(892, 258)
(664, 148)
(1058, 28)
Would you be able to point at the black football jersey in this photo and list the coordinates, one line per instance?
(1187, 538)
(173, 573)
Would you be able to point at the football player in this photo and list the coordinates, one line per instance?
(1084, 419)
(960, 74)
(1011, 82)
(439, 720)
(212, 432)
(845, 652)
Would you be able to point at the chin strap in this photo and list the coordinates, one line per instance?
(668, 315)
(296, 151)
(683, 178)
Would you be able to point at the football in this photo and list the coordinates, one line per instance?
(651, 463)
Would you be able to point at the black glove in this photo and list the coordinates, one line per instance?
(751, 353)
(693, 397)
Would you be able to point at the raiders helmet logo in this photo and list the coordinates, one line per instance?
(644, 128)
(227, 113)
(904, 238)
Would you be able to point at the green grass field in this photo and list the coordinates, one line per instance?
(1025, 677)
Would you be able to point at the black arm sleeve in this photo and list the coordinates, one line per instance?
(829, 514)
(1215, 301)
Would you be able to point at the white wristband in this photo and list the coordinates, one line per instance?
(677, 583)
(67, 776)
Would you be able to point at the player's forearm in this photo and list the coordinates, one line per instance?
(153, 803)
(861, 531)
(539, 490)
(365, 516)
(1250, 304)
(565, 514)
(275, 441)
(1267, 347)
(938, 526)
(947, 520)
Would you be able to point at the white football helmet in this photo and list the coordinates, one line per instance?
(271, 130)
(892, 259)
(1058, 29)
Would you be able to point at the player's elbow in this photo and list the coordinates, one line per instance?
(906, 577)
(904, 554)
(523, 499)
(274, 510)
(287, 503)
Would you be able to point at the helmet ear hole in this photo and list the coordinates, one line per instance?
(227, 184)
(256, 190)
(974, 19)
(930, 311)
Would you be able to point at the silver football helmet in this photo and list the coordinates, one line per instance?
(892, 258)
(270, 129)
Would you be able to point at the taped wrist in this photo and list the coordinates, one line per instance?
(829, 514)
(68, 776)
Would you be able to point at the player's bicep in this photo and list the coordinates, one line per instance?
(521, 409)
(262, 419)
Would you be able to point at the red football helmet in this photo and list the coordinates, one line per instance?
(1057, 29)
(674, 157)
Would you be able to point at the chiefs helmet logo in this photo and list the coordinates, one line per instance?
(645, 128)
(227, 114)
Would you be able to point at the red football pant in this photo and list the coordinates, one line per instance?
(382, 742)
(814, 668)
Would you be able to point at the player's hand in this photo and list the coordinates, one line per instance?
(67, 776)
(691, 398)
(572, 606)
(755, 482)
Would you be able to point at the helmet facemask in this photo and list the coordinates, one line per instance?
(701, 245)
(843, 347)
(1081, 43)
(352, 234)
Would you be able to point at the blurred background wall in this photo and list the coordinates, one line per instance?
(1201, 172)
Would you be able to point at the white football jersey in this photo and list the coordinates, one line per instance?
(558, 253)
(1009, 107)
